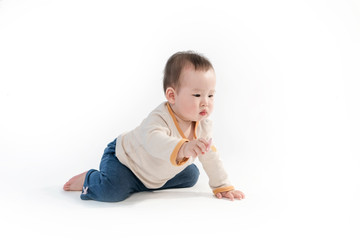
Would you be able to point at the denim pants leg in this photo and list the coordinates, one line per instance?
(115, 182)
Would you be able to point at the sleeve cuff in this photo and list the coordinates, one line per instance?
(223, 189)
(174, 154)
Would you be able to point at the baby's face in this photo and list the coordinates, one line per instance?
(194, 100)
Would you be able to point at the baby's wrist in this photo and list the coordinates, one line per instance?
(181, 152)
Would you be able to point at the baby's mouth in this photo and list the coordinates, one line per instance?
(203, 113)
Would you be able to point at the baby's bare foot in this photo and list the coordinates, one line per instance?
(75, 183)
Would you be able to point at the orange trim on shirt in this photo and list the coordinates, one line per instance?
(223, 189)
(177, 124)
(174, 154)
(196, 125)
(175, 121)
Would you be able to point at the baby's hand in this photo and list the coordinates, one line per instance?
(196, 147)
(233, 194)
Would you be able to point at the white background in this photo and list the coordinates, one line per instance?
(75, 74)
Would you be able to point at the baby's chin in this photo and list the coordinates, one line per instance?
(201, 117)
(198, 117)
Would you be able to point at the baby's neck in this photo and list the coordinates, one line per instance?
(182, 123)
(188, 130)
(187, 127)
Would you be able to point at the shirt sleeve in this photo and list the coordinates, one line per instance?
(159, 143)
(212, 164)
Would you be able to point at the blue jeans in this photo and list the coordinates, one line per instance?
(115, 182)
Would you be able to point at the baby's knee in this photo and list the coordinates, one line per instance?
(194, 170)
(107, 190)
(193, 174)
(114, 192)
(113, 196)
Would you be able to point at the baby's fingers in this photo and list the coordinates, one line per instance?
(193, 153)
(198, 151)
(239, 195)
(230, 196)
(201, 146)
(209, 144)
(205, 145)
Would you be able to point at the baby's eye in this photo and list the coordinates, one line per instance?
(210, 96)
(196, 95)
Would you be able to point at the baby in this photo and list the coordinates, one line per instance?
(160, 152)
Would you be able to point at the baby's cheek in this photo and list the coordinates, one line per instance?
(192, 108)
(195, 110)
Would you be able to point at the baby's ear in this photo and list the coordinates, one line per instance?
(170, 95)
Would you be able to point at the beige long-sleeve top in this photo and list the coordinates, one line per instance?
(151, 149)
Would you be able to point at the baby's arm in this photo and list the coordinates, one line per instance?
(199, 147)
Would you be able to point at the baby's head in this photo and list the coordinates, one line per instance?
(189, 85)
(178, 62)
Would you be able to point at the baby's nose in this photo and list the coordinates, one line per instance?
(204, 102)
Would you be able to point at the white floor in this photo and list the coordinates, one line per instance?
(34, 205)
